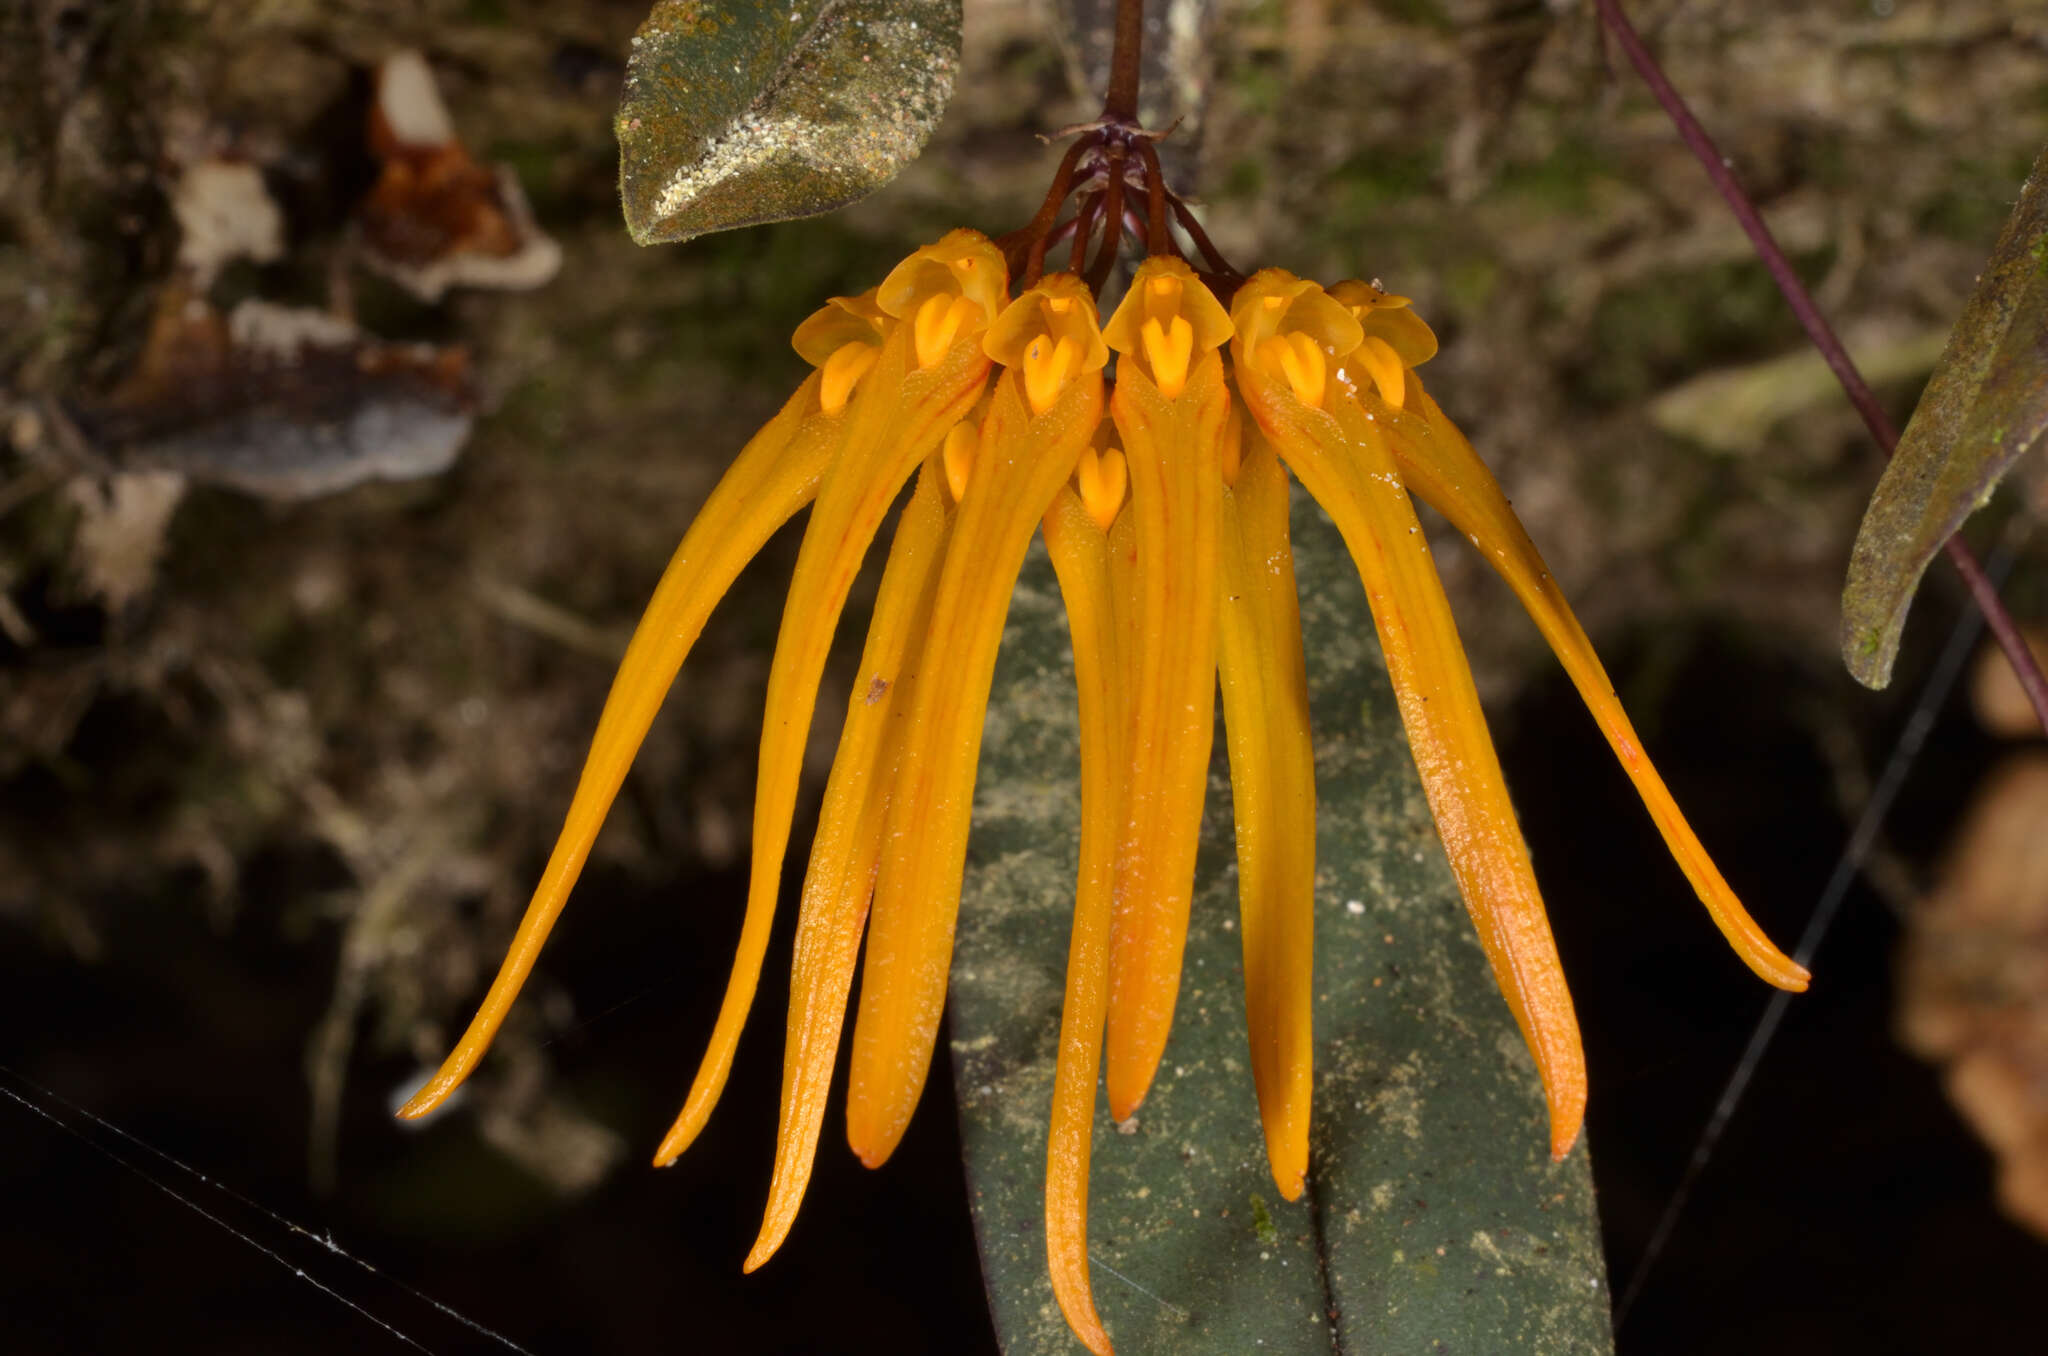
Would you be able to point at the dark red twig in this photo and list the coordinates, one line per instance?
(1120, 103)
(1823, 336)
(1112, 222)
(1084, 227)
(1210, 254)
(1158, 236)
(1048, 211)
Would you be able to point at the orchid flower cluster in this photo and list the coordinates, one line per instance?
(1162, 499)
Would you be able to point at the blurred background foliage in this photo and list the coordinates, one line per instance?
(268, 816)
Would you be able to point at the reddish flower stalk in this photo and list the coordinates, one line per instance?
(1822, 336)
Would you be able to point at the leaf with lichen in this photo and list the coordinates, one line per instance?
(736, 112)
(1985, 406)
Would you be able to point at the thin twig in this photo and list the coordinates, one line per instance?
(1120, 103)
(1210, 254)
(1822, 336)
(1112, 222)
(1158, 235)
(1048, 212)
(1084, 227)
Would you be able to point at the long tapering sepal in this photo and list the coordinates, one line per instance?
(1273, 794)
(929, 373)
(774, 476)
(1171, 413)
(1441, 467)
(841, 878)
(1080, 552)
(1287, 333)
(1044, 411)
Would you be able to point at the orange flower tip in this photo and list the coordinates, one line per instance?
(429, 1098)
(672, 1145)
(958, 457)
(1561, 1146)
(1274, 304)
(774, 1229)
(1169, 350)
(839, 322)
(1301, 360)
(1565, 1124)
(1047, 365)
(1389, 319)
(1233, 445)
(1791, 977)
(962, 267)
(842, 372)
(1166, 320)
(1102, 478)
(1383, 365)
(938, 322)
(1290, 1184)
(1050, 336)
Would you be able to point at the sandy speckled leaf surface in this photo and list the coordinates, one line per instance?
(1985, 406)
(1433, 1214)
(736, 112)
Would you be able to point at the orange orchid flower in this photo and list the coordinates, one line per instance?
(1162, 500)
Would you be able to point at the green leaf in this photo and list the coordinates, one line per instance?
(737, 112)
(1433, 1213)
(1986, 404)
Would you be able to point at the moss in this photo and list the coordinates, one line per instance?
(1373, 181)
(1647, 336)
(1424, 13)
(1262, 84)
(1469, 284)
(1244, 179)
(1262, 1222)
(1561, 182)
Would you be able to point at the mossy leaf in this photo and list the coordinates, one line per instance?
(1986, 404)
(1433, 1214)
(737, 112)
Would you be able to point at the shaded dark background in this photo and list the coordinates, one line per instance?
(289, 660)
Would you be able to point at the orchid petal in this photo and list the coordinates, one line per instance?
(1020, 463)
(774, 476)
(1343, 460)
(1174, 452)
(1437, 463)
(1273, 794)
(897, 416)
(1080, 552)
(841, 878)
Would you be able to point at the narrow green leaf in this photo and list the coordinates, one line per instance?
(1433, 1214)
(737, 112)
(1986, 404)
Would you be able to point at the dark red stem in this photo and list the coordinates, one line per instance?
(1048, 211)
(1210, 254)
(1158, 236)
(1084, 227)
(1120, 104)
(1112, 222)
(1823, 337)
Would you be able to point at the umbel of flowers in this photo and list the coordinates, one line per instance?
(1162, 499)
